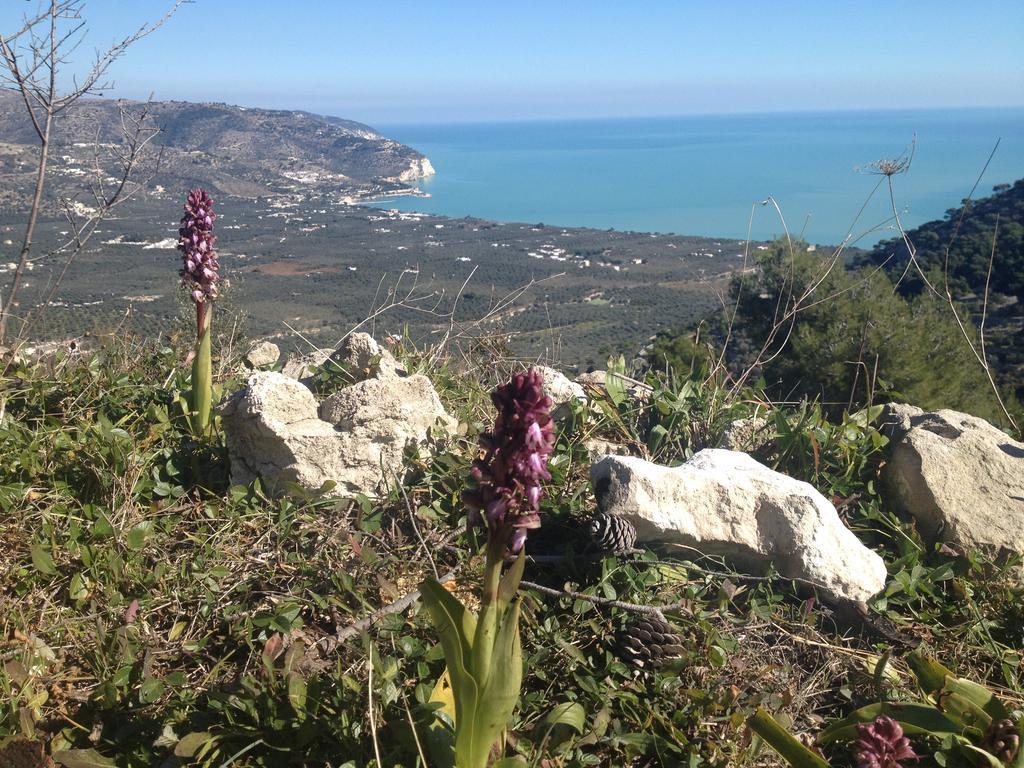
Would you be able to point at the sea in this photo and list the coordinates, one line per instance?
(815, 175)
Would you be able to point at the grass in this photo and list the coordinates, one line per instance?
(155, 615)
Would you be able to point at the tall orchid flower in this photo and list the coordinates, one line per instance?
(200, 273)
(483, 651)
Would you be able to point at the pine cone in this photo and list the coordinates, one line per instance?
(1003, 740)
(648, 641)
(611, 534)
(24, 753)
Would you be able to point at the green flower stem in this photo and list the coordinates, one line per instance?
(487, 627)
(202, 370)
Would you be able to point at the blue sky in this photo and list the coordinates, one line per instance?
(449, 60)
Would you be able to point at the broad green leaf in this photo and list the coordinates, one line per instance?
(452, 621)
(83, 758)
(964, 711)
(985, 758)
(570, 713)
(498, 698)
(136, 538)
(444, 695)
(297, 692)
(915, 718)
(930, 674)
(614, 384)
(656, 437)
(439, 738)
(191, 742)
(42, 560)
(978, 695)
(150, 690)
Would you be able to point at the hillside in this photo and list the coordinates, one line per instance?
(156, 614)
(237, 150)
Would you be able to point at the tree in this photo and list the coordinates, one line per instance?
(856, 339)
(32, 59)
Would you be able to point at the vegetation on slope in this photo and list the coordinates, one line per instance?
(977, 254)
(153, 614)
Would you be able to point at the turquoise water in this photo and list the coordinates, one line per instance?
(703, 175)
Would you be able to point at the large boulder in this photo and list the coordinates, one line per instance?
(725, 503)
(961, 479)
(357, 438)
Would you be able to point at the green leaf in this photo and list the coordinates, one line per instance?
(510, 762)
(83, 758)
(136, 538)
(783, 742)
(987, 758)
(614, 384)
(964, 711)
(455, 625)
(978, 695)
(930, 674)
(656, 437)
(570, 713)
(499, 696)
(914, 718)
(190, 743)
(297, 692)
(42, 560)
(150, 690)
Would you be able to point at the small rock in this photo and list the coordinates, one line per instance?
(598, 448)
(961, 479)
(726, 503)
(364, 358)
(263, 354)
(301, 367)
(747, 435)
(559, 387)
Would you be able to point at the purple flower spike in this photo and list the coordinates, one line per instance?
(510, 474)
(881, 744)
(200, 268)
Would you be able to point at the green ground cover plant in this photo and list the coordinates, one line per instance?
(153, 614)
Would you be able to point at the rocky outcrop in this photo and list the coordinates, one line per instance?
(960, 478)
(419, 168)
(726, 503)
(356, 438)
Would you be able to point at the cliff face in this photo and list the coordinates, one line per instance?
(240, 150)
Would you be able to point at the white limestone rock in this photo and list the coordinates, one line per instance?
(960, 478)
(726, 503)
(274, 430)
(559, 387)
(263, 354)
